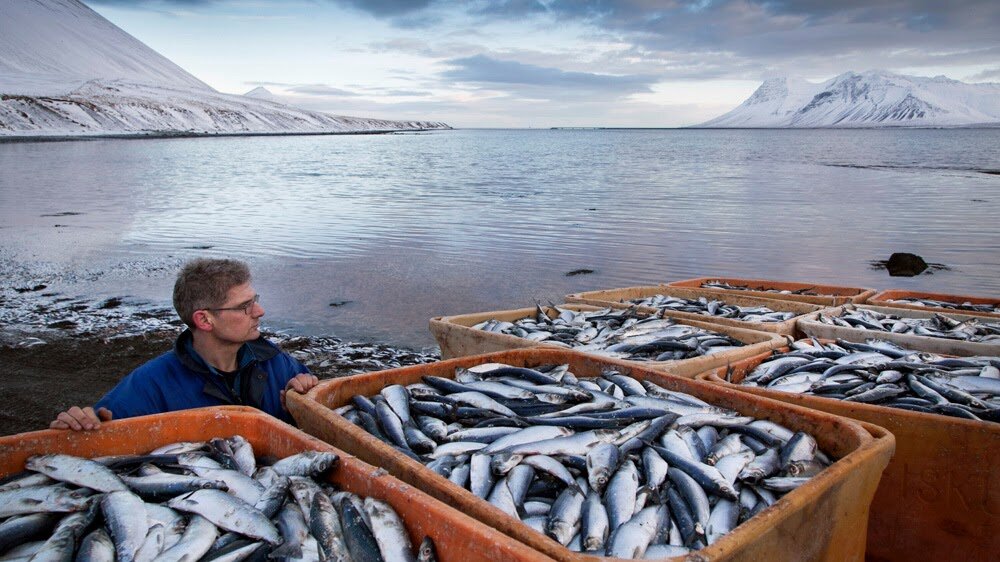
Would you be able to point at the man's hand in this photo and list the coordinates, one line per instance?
(77, 419)
(302, 384)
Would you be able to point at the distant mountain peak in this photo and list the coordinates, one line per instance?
(874, 98)
(260, 92)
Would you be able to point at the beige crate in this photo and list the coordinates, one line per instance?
(619, 298)
(457, 338)
(815, 328)
(826, 295)
(886, 297)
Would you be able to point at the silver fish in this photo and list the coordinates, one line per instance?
(82, 472)
(227, 512)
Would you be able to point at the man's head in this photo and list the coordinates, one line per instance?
(204, 283)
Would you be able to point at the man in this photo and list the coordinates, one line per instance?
(220, 359)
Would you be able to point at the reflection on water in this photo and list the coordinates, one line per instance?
(406, 227)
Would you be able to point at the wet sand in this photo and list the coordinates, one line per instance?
(41, 381)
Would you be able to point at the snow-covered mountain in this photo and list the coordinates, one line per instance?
(67, 71)
(870, 99)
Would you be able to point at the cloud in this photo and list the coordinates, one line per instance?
(512, 75)
(387, 8)
(154, 4)
(319, 90)
(989, 75)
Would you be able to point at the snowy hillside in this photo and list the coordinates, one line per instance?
(871, 99)
(67, 71)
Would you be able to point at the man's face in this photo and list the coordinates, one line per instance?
(241, 322)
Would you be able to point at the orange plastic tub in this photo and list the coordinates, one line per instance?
(826, 295)
(457, 338)
(825, 519)
(886, 298)
(457, 537)
(939, 498)
(619, 298)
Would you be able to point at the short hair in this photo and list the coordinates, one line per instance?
(204, 282)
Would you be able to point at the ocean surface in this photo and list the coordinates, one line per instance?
(367, 237)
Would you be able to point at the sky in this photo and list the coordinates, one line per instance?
(553, 63)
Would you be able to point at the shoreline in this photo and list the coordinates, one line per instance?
(190, 134)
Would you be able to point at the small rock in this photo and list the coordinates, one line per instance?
(902, 264)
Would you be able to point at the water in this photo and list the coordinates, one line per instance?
(409, 226)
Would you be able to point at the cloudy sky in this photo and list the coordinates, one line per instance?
(544, 63)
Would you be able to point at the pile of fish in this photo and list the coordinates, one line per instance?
(717, 284)
(880, 372)
(623, 334)
(329, 357)
(938, 326)
(982, 307)
(189, 501)
(608, 465)
(717, 308)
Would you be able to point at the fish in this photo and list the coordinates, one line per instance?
(227, 512)
(667, 455)
(714, 307)
(197, 539)
(992, 308)
(884, 374)
(360, 540)
(324, 524)
(727, 286)
(96, 546)
(389, 531)
(42, 499)
(75, 470)
(181, 529)
(62, 543)
(617, 333)
(981, 330)
(126, 518)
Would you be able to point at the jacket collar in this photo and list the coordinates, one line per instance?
(250, 354)
(257, 350)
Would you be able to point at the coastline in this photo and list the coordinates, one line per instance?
(191, 134)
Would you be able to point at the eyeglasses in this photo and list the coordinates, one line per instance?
(245, 307)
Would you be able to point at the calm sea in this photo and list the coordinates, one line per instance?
(395, 229)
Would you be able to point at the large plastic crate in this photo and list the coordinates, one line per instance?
(825, 519)
(457, 537)
(815, 328)
(457, 338)
(826, 295)
(885, 298)
(619, 298)
(939, 498)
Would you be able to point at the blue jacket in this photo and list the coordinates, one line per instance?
(180, 379)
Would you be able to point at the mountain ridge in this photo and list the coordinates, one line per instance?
(65, 71)
(870, 99)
